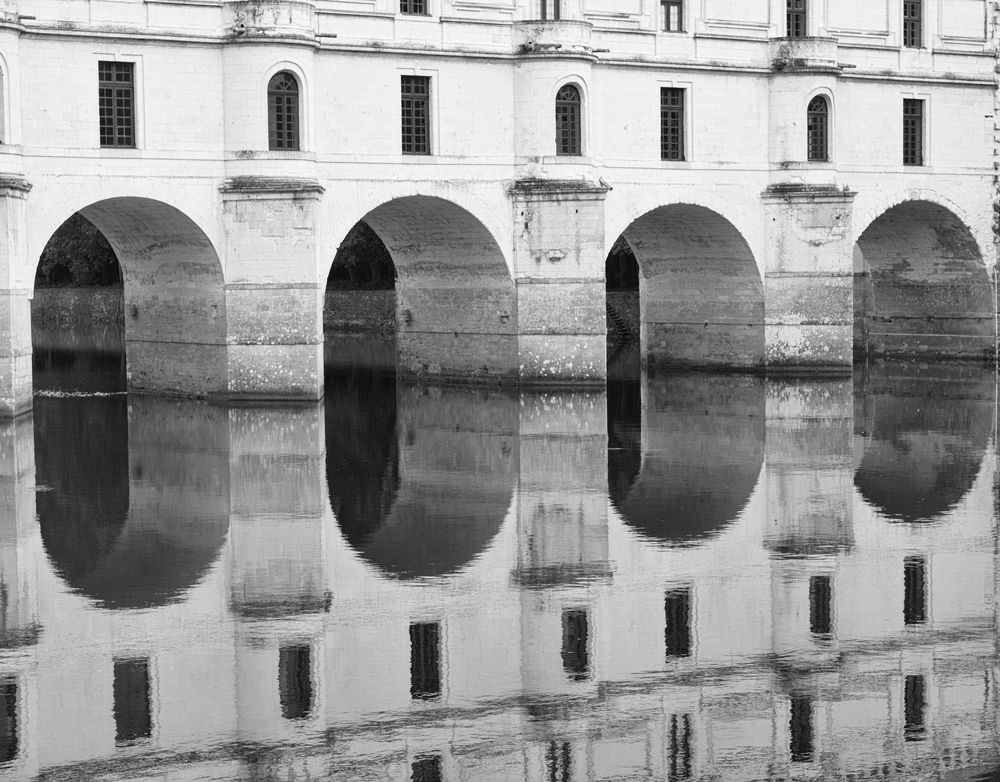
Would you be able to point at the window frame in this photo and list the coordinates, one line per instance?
(917, 157)
(406, 5)
(550, 10)
(796, 18)
(676, 134)
(665, 26)
(272, 145)
(133, 95)
(913, 26)
(410, 101)
(823, 130)
(569, 146)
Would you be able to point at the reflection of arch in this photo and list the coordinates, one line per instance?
(456, 304)
(123, 543)
(925, 435)
(922, 286)
(418, 489)
(175, 315)
(685, 248)
(702, 450)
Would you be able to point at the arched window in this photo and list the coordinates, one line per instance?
(568, 133)
(818, 129)
(283, 111)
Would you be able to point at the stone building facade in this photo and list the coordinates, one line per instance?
(791, 180)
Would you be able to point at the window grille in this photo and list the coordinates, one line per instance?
(913, 23)
(568, 133)
(817, 129)
(552, 10)
(671, 123)
(673, 16)
(913, 132)
(796, 18)
(415, 95)
(425, 660)
(283, 112)
(413, 7)
(116, 103)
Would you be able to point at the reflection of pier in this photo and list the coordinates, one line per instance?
(488, 594)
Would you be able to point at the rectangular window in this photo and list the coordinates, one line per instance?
(425, 660)
(295, 681)
(426, 769)
(559, 762)
(671, 123)
(913, 33)
(913, 132)
(673, 16)
(133, 715)
(416, 114)
(413, 7)
(677, 625)
(914, 590)
(796, 22)
(914, 703)
(820, 598)
(680, 748)
(575, 635)
(8, 721)
(551, 10)
(116, 103)
(801, 729)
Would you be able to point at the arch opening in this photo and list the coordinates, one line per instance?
(699, 299)
(420, 484)
(171, 314)
(921, 287)
(455, 308)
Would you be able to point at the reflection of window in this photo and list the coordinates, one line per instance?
(820, 620)
(425, 660)
(295, 681)
(568, 122)
(559, 762)
(426, 769)
(801, 728)
(576, 660)
(8, 721)
(133, 718)
(914, 701)
(796, 18)
(677, 628)
(680, 747)
(914, 590)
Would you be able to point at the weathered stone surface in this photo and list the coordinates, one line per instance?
(275, 371)
(182, 368)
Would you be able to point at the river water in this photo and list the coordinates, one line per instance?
(693, 576)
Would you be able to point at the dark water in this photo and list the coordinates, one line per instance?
(689, 577)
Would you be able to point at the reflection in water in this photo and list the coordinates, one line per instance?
(428, 584)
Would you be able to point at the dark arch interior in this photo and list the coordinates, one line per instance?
(921, 287)
(924, 433)
(700, 296)
(685, 453)
(419, 485)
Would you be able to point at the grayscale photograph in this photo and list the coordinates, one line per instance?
(499, 391)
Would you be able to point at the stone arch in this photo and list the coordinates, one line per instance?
(174, 296)
(456, 304)
(923, 432)
(686, 453)
(136, 510)
(420, 484)
(701, 296)
(921, 285)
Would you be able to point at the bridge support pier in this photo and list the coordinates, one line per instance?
(15, 301)
(273, 305)
(808, 282)
(559, 273)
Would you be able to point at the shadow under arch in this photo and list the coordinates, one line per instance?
(701, 297)
(921, 434)
(685, 453)
(174, 295)
(921, 286)
(456, 304)
(133, 504)
(420, 483)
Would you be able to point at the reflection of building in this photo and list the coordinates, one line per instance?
(803, 632)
